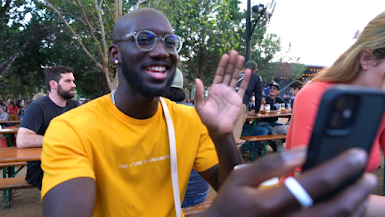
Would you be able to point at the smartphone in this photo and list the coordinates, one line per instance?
(348, 117)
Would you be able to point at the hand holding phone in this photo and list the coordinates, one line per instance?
(348, 117)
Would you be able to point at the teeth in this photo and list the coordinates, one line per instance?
(156, 68)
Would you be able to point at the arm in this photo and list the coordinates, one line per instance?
(258, 94)
(219, 112)
(67, 190)
(75, 197)
(27, 138)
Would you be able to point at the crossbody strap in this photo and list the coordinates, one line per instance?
(174, 165)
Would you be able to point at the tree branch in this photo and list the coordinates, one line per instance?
(75, 35)
(90, 27)
(109, 10)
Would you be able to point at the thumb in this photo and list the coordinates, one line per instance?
(200, 93)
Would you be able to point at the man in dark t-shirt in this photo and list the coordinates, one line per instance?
(273, 99)
(59, 81)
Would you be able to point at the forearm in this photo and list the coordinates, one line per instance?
(228, 154)
(375, 206)
(30, 141)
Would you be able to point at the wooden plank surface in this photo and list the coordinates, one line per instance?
(261, 116)
(14, 183)
(9, 130)
(263, 138)
(10, 122)
(14, 154)
(191, 210)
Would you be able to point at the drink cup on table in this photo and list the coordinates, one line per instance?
(261, 109)
(267, 109)
(277, 108)
(282, 107)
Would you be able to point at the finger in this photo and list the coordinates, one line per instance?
(219, 74)
(233, 57)
(245, 82)
(229, 71)
(237, 70)
(333, 173)
(270, 166)
(350, 202)
(200, 93)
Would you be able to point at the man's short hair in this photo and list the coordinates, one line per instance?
(54, 73)
(251, 65)
(296, 84)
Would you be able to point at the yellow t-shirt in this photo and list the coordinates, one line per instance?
(128, 158)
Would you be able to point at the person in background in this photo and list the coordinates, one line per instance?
(272, 100)
(295, 87)
(37, 96)
(13, 110)
(60, 83)
(362, 64)
(4, 116)
(197, 188)
(254, 87)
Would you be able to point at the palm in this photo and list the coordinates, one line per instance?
(220, 110)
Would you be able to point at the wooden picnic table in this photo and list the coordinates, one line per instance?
(10, 122)
(14, 154)
(261, 116)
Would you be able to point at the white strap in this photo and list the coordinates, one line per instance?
(174, 165)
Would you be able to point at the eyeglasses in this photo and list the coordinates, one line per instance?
(146, 41)
(273, 88)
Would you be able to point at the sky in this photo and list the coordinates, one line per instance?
(319, 31)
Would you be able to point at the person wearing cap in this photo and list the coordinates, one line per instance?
(197, 188)
(254, 87)
(273, 99)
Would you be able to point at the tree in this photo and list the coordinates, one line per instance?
(90, 23)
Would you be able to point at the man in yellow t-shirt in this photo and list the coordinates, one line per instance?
(114, 152)
(111, 156)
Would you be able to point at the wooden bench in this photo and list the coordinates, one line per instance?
(192, 210)
(14, 183)
(263, 139)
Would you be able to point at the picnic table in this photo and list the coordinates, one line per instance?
(10, 122)
(9, 158)
(9, 135)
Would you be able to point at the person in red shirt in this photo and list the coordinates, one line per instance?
(13, 110)
(363, 64)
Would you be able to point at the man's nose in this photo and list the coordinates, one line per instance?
(159, 50)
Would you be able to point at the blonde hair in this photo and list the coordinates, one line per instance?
(37, 96)
(347, 67)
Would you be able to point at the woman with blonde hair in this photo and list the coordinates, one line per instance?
(363, 64)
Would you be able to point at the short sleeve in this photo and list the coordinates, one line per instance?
(206, 155)
(63, 157)
(33, 118)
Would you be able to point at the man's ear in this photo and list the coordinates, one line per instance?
(52, 84)
(366, 59)
(114, 53)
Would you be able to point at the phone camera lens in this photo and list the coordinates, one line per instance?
(347, 113)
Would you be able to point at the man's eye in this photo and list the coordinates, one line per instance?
(144, 40)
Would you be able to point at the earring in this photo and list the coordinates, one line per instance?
(116, 62)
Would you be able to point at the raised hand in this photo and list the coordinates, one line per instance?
(220, 110)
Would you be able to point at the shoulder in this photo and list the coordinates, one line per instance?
(313, 90)
(72, 103)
